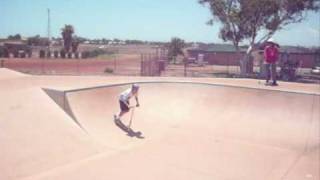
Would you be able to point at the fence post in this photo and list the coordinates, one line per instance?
(42, 67)
(114, 63)
(150, 65)
(141, 65)
(185, 66)
(228, 65)
(2, 63)
(78, 66)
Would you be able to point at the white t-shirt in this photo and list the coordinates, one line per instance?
(126, 95)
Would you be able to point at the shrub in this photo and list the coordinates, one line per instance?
(49, 54)
(56, 54)
(16, 54)
(6, 53)
(42, 53)
(85, 54)
(62, 54)
(95, 53)
(76, 55)
(23, 55)
(1, 52)
(108, 70)
(29, 53)
(69, 55)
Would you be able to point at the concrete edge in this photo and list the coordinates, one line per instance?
(60, 98)
(188, 82)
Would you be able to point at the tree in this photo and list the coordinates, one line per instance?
(105, 41)
(133, 42)
(249, 19)
(175, 48)
(79, 39)
(116, 40)
(66, 33)
(37, 41)
(14, 37)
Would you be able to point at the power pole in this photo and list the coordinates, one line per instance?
(49, 33)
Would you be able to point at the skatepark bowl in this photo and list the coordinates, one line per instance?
(191, 131)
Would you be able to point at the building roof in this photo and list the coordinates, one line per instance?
(14, 42)
(216, 48)
(230, 48)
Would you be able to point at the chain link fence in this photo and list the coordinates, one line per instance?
(130, 67)
(145, 64)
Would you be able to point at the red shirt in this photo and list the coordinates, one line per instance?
(271, 54)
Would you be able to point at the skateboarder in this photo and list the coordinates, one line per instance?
(124, 101)
(271, 54)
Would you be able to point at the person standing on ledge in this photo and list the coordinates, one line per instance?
(271, 54)
(124, 101)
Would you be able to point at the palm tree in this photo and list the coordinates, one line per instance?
(66, 33)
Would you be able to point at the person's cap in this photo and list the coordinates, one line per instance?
(271, 40)
(135, 86)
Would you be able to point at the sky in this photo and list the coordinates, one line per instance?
(149, 20)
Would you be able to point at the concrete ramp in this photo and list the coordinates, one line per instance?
(197, 131)
(10, 74)
(36, 135)
(94, 109)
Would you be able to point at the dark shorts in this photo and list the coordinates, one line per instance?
(123, 106)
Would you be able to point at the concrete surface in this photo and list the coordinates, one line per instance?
(60, 127)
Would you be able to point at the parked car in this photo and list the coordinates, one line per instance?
(315, 70)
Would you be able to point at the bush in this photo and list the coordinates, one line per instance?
(16, 54)
(1, 52)
(56, 54)
(49, 54)
(6, 53)
(94, 53)
(108, 70)
(69, 55)
(42, 53)
(23, 55)
(76, 55)
(62, 54)
(85, 54)
(29, 53)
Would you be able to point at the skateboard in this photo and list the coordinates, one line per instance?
(130, 132)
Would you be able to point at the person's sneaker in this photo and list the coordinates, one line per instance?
(116, 118)
(274, 84)
(117, 121)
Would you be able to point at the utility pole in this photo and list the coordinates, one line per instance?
(49, 33)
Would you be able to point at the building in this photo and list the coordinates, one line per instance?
(216, 54)
(225, 54)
